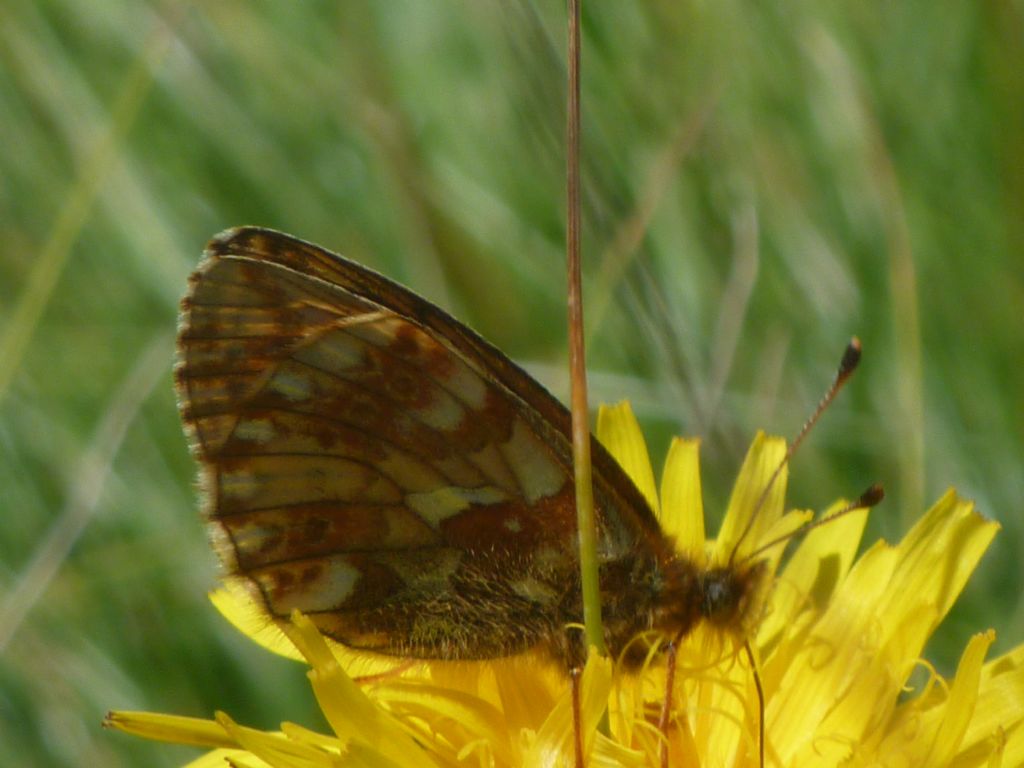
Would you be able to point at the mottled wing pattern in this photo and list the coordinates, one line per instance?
(371, 462)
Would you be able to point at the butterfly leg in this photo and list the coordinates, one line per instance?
(666, 707)
(760, 703)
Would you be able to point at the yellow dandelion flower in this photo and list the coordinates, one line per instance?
(836, 639)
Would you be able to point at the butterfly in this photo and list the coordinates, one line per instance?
(368, 460)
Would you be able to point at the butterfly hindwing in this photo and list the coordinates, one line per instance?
(370, 461)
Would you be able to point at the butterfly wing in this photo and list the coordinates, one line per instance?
(370, 461)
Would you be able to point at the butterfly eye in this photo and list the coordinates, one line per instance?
(721, 595)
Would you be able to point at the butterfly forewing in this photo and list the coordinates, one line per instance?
(371, 462)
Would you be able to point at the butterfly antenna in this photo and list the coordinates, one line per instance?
(866, 500)
(851, 357)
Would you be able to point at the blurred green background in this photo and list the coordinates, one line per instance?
(762, 181)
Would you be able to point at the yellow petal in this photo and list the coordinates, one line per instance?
(825, 554)
(929, 729)
(247, 616)
(173, 728)
(619, 432)
(845, 672)
(949, 731)
(362, 756)
(752, 511)
(999, 717)
(832, 665)
(303, 735)
(941, 551)
(449, 717)
(682, 505)
(219, 758)
(817, 567)
(608, 753)
(275, 748)
(526, 690)
(722, 708)
(777, 536)
(352, 715)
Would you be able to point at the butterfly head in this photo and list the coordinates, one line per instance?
(730, 595)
